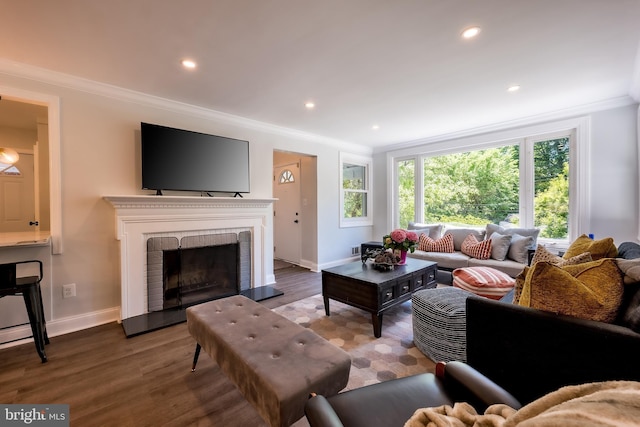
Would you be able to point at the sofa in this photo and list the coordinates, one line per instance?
(511, 248)
(541, 350)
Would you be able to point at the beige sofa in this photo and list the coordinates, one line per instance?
(509, 254)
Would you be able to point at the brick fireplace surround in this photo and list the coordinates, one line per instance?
(140, 217)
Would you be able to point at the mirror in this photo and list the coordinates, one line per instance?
(24, 131)
(30, 188)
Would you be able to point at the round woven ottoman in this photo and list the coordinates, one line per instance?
(439, 323)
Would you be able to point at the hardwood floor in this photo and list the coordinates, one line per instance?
(110, 380)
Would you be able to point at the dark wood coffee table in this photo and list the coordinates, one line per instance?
(360, 285)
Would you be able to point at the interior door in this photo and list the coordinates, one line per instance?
(286, 222)
(17, 193)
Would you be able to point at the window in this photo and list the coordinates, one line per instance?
(521, 182)
(355, 194)
(286, 177)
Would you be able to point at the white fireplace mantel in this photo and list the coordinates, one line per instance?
(141, 216)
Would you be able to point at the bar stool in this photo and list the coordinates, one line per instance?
(29, 288)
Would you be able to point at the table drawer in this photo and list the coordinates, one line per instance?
(424, 280)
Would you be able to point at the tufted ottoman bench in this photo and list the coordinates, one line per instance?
(275, 363)
(440, 323)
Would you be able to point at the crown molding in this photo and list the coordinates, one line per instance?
(580, 110)
(56, 78)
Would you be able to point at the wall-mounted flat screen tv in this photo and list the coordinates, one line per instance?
(176, 159)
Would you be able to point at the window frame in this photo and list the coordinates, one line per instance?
(578, 128)
(367, 163)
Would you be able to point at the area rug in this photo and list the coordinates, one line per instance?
(373, 360)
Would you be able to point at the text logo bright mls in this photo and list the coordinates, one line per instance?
(37, 415)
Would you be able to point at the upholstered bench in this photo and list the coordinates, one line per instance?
(275, 363)
(439, 323)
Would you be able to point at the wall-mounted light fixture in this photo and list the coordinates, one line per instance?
(8, 156)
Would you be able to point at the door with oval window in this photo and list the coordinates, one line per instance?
(287, 218)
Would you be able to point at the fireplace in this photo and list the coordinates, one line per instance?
(194, 269)
(141, 217)
(195, 275)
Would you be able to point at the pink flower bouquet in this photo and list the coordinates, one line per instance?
(401, 239)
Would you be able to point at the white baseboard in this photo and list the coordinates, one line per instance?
(17, 335)
(337, 262)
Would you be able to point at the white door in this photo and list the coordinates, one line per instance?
(286, 222)
(17, 194)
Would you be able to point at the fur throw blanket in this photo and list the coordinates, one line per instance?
(610, 403)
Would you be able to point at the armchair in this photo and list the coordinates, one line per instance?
(392, 403)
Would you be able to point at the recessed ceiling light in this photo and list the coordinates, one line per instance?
(514, 88)
(375, 127)
(188, 63)
(309, 105)
(470, 32)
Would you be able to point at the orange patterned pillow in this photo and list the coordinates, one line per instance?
(473, 248)
(443, 244)
(484, 281)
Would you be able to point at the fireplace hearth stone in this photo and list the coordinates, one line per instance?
(155, 320)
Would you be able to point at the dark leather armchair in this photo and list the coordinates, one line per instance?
(392, 403)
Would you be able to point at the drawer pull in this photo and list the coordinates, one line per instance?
(419, 282)
(389, 294)
(405, 288)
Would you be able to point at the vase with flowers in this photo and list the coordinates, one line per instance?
(400, 242)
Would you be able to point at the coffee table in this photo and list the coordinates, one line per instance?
(359, 285)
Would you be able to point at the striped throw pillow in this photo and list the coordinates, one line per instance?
(443, 244)
(484, 281)
(473, 248)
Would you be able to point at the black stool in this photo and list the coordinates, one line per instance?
(29, 288)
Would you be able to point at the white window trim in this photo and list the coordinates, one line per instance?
(580, 185)
(367, 162)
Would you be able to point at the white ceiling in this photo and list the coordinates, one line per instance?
(399, 64)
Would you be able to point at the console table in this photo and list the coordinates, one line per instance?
(359, 285)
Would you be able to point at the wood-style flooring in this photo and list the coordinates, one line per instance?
(110, 380)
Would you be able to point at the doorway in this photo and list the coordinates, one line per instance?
(17, 195)
(295, 210)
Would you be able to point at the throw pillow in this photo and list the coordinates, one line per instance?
(444, 244)
(519, 248)
(533, 232)
(432, 230)
(499, 246)
(630, 269)
(591, 290)
(603, 248)
(480, 250)
(459, 234)
(484, 281)
(517, 287)
(542, 254)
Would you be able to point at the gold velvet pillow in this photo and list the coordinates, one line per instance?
(603, 248)
(591, 290)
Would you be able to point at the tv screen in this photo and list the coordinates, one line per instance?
(175, 159)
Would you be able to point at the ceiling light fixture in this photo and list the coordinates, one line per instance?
(8, 156)
(513, 88)
(309, 105)
(188, 63)
(470, 32)
(375, 127)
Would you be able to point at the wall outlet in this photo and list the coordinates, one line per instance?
(69, 290)
(355, 250)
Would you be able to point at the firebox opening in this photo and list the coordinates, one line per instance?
(195, 275)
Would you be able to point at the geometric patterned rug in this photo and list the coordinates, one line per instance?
(373, 360)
